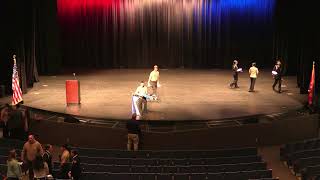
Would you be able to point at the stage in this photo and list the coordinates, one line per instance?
(184, 95)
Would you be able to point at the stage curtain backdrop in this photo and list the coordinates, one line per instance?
(191, 34)
(29, 30)
(172, 34)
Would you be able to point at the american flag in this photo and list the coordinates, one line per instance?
(16, 90)
(312, 86)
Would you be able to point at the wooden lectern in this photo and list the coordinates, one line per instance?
(72, 92)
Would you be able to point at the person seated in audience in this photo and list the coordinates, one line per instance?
(31, 149)
(14, 169)
(134, 131)
(47, 156)
(76, 170)
(4, 117)
(64, 162)
(40, 168)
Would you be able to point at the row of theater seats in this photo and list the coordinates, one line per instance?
(223, 164)
(303, 157)
(170, 162)
(243, 175)
(178, 154)
(174, 169)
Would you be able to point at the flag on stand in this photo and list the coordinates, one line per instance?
(311, 87)
(16, 90)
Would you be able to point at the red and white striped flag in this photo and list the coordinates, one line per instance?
(16, 90)
(311, 87)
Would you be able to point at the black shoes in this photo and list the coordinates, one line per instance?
(235, 86)
(279, 91)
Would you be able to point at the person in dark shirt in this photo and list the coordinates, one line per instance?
(47, 156)
(235, 74)
(133, 127)
(277, 77)
(16, 123)
(76, 170)
(4, 117)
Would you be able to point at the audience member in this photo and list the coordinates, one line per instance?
(47, 156)
(14, 170)
(31, 149)
(134, 131)
(64, 162)
(16, 125)
(40, 168)
(25, 116)
(4, 117)
(76, 170)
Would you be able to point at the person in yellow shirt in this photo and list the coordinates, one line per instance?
(253, 73)
(153, 81)
(64, 162)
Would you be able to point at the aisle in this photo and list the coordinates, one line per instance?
(271, 154)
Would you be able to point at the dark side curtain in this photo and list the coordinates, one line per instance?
(28, 30)
(297, 40)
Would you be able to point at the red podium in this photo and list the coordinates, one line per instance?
(72, 92)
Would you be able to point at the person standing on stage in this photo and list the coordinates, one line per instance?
(235, 74)
(253, 73)
(153, 81)
(277, 75)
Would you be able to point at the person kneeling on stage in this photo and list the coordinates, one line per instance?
(139, 100)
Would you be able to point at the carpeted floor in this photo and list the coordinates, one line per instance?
(271, 154)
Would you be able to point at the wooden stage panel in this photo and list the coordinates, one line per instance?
(184, 94)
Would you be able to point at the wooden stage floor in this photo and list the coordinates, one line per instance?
(184, 95)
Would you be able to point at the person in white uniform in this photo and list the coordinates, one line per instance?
(139, 100)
